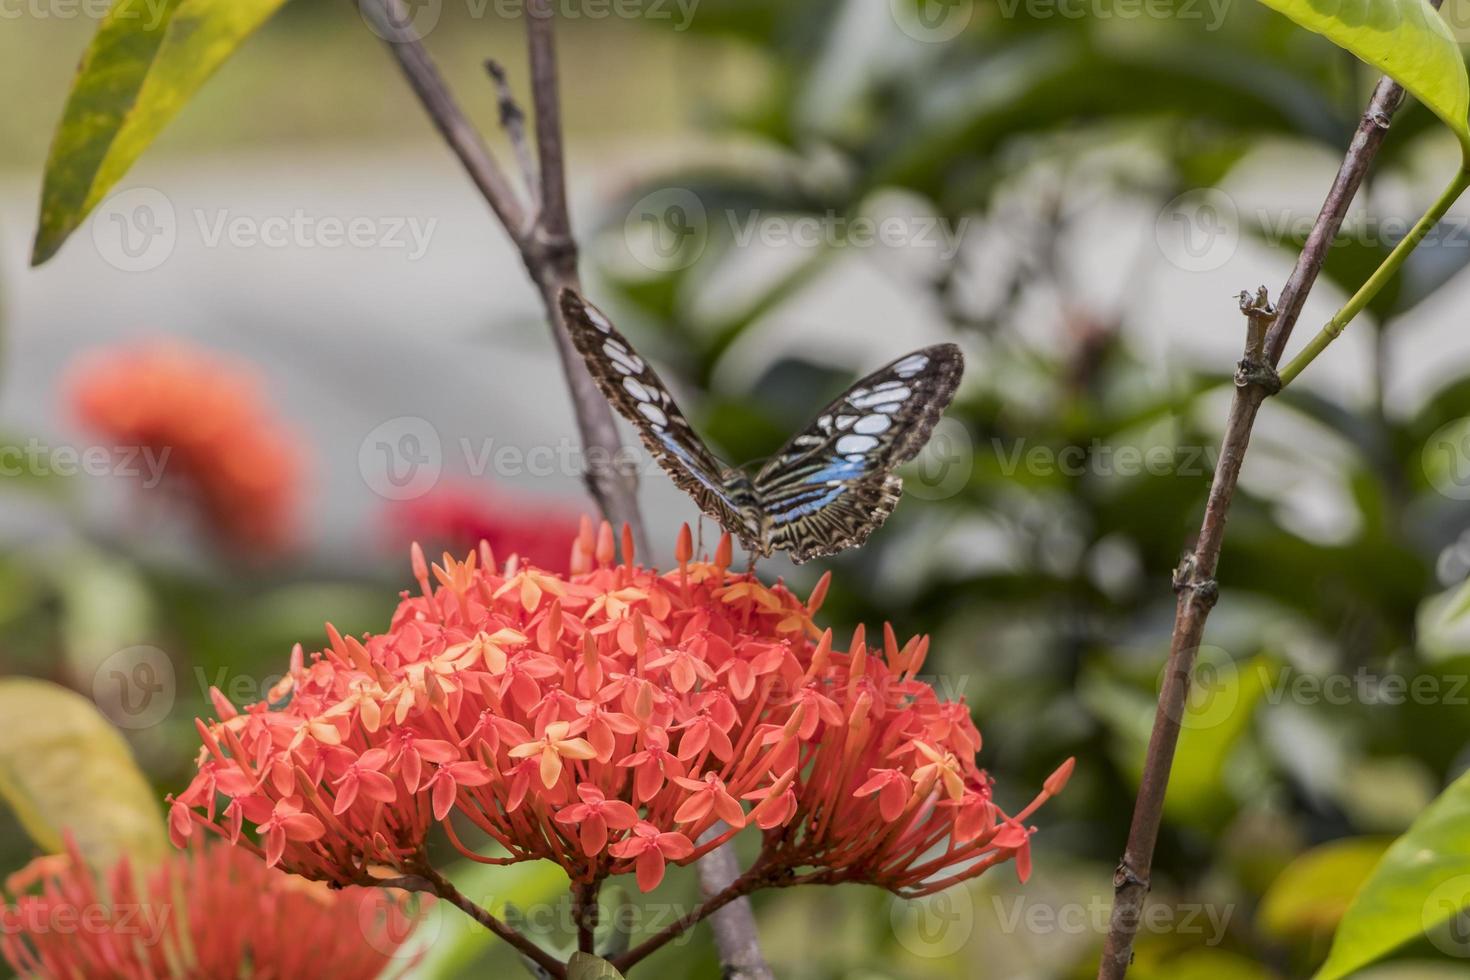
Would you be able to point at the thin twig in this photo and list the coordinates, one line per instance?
(551, 258)
(545, 243)
(1194, 581)
(513, 121)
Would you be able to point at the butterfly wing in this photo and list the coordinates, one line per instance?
(833, 484)
(632, 387)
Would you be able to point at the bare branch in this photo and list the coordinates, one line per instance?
(545, 244)
(390, 18)
(1194, 581)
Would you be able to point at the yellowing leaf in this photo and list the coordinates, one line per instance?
(63, 766)
(146, 61)
(585, 966)
(1406, 40)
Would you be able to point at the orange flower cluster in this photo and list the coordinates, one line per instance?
(215, 911)
(210, 416)
(614, 721)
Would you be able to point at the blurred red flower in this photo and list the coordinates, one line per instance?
(214, 911)
(458, 518)
(211, 416)
(605, 720)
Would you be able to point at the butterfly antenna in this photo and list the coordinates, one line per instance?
(699, 535)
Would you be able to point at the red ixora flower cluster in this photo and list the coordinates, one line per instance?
(606, 721)
(458, 518)
(215, 911)
(211, 416)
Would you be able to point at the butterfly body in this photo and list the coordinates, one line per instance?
(828, 488)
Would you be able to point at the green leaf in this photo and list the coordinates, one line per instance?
(1405, 39)
(66, 767)
(585, 966)
(1422, 881)
(146, 61)
(1312, 893)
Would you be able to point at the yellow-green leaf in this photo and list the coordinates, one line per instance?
(1312, 893)
(585, 966)
(1422, 882)
(1406, 40)
(63, 766)
(147, 59)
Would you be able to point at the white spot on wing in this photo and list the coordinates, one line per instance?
(911, 365)
(872, 425)
(637, 390)
(855, 444)
(623, 359)
(872, 399)
(653, 413)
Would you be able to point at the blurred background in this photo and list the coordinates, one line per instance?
(773, 198)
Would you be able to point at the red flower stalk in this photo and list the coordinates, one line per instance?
(457, 519)
(212, 419)
(606, 721)
(215, 911)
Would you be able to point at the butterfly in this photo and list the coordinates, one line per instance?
(828, 488)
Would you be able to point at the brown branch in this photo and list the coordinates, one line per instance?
(543, 238)
(432, 882)
(1194, 581)
(736, 890)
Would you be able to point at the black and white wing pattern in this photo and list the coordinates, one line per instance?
(833, 484)
(632, 387)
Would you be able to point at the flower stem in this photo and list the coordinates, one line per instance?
(1378, 280)
(440, 886)
(739, 888)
